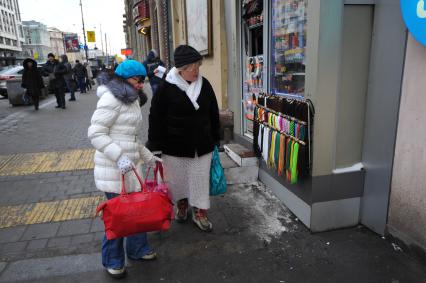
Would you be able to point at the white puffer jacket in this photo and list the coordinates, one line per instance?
(113, 132)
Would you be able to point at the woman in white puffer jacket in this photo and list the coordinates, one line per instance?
(114, 133)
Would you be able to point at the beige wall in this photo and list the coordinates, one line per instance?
(407, 214)
(214, 67)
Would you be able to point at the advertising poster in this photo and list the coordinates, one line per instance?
(71, 42)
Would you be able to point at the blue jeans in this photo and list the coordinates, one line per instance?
(70, 88)
(113, 252)
(154, 88)
(82, 84)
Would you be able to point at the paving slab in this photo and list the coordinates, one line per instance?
(75, 227)
(49, 267)
(38, 244)
(13, 234)
(40, 231)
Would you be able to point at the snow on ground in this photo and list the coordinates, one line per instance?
(268, 217)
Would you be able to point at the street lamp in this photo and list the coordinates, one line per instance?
(84, 33)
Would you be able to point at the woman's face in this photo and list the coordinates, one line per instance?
(190, 72)
(136, 82)
(30, 64)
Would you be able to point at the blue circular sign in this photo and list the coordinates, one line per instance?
(414, 15)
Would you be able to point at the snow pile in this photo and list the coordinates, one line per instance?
(267, 217)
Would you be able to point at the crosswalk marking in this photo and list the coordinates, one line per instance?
(45, 212)
(46, 162)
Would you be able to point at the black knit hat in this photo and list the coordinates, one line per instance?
(185, 54)
(50, 55)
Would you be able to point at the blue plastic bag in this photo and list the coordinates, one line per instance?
(217, 175)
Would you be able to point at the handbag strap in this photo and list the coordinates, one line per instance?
(158, 168)
(123, 187)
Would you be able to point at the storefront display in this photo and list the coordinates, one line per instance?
(282, 136)
(253, 73)
(288, 45)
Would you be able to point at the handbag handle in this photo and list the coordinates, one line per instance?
(123, 187)
(158, 167)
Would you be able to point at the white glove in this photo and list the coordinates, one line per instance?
(125, 164)
(154, 160)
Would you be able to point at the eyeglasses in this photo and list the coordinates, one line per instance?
(139, 80)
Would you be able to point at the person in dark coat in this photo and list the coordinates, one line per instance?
(32, 81)
(68, 77)
(184, 126)
(80, 73)
(151, 64)
(56, 71)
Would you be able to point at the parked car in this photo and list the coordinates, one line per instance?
(15, 73)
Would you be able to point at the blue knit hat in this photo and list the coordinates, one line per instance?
(130, 68)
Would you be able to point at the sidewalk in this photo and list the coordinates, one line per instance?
(255, 238)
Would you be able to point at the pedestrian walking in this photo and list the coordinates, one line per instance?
(68, 77)
(114, 133)
(184, 126)
(151, 64)
(80, 73)
(89, 77)
(56, 70)
(32, 81)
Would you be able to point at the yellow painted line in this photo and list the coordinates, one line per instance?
(45, 162)
(4, 159)
(46, 212)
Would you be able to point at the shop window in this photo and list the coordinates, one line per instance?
(253, 74)
(288, 45)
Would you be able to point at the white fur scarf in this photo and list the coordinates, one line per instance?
(192, 90)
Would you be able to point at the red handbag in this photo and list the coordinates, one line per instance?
(137, 212)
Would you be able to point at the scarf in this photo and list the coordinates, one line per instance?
(192, 90)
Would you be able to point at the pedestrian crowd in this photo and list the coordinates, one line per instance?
(62, 78)
(183, 134)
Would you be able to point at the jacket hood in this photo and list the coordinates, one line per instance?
(24, 64)
(119, 88)
(64, 58)
(152, 55)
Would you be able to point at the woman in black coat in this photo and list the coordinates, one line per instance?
(184, 126)
(32, 81)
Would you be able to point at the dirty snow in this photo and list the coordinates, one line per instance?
(268, 217)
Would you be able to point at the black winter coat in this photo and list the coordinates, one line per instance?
(150, 66)
(56, 71)
(80, 71)
(31, 78)
(176, 128)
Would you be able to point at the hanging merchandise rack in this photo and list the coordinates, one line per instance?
(279, 122)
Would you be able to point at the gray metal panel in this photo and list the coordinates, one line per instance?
(303, 189)
(295, 204)
(387, 61)
(337, 186)
(357, 33)
(334, 214)
(234, 36)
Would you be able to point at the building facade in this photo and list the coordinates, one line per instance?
(56, 41)
(359, 71)
(407, 204)
(162, 25)
(37, 41)
(339, 83)
(146, 26)
(11, 33)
